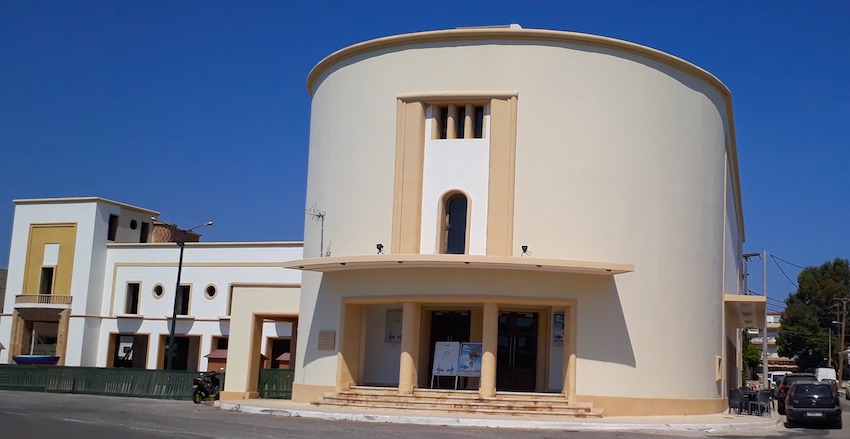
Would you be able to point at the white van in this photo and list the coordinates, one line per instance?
(825, 373)
(774, 378)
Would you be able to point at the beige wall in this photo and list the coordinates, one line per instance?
(621, 156)
(250, 304)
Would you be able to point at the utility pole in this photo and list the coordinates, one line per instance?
(765, 384)
(841, 339)
(747, 257)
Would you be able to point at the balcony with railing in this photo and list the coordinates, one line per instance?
(757, 341)
(43, 300)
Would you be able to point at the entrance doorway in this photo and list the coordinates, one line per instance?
(447, 326)
(516, 357)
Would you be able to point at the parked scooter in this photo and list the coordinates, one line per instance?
(206, 386)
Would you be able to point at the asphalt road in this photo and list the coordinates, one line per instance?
(49, 415)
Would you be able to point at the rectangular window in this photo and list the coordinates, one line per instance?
(143, 235)
(46, 284)
(131, 299)
(183, 300)
(113, 228)
(220, 343)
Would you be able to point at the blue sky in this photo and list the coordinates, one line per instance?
(199, 109)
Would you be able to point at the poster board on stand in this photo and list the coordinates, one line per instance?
(445, 360)
(469, 361)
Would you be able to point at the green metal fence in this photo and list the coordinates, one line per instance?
(275, 383)
(142, 383)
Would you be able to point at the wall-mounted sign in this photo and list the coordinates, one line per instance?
(327, 340)
(558, 330)
(393, 327)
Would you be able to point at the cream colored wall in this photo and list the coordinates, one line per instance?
(248, 303)
(619, 158)
(381, 364)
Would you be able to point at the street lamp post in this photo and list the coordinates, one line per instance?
(182, 244)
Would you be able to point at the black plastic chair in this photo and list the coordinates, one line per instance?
(761, 403)
(736, 400)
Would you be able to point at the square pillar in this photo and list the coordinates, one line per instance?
(62, 336)
(17, 341)
(569, 372)
(410, 323)
(489, 344)
(352, 339)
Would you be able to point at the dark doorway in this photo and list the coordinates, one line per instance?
(279, 347)
(129, 350)
(186, 352)
(516, 357)
(447, 326)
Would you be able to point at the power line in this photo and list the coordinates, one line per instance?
(783, 271)
(789, 263)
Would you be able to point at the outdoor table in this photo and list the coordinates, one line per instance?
(748, 396)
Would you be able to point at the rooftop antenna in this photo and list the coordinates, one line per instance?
(319, 215)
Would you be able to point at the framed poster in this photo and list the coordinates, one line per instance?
(558, 329)
(445, 358)
(469, 362)
(393, 327)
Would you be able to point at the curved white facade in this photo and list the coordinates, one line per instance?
(607, 151)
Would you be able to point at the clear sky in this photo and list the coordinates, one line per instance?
(199, 109)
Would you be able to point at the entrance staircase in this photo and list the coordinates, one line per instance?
(460, 401)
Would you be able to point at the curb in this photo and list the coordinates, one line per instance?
(492, 423)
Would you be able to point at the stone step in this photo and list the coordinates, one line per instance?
(461, 408)
(460, 401)
(466, 395)
(476, 402)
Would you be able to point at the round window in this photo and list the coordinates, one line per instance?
(158, 291)
(133, 224)
(210, 292)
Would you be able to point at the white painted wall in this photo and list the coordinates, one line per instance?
(102, 270)
(455, 164)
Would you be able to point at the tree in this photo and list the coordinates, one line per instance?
(809, 313)
(751, 355)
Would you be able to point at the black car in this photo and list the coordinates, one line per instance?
(785, 385)
(813, 401)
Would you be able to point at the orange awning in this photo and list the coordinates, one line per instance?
(218, 354)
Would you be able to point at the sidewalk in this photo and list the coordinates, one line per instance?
(695, 423)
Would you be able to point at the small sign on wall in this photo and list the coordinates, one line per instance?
(393, 327)
(327, 340)
(558, 330)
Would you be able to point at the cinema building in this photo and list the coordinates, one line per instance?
(568, 204)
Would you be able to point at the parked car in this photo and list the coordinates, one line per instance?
(813, 402)
(785, 385)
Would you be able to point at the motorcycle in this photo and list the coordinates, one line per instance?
(206, 386)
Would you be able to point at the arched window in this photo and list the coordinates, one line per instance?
(454, 224)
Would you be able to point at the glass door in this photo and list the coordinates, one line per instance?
(516, 357)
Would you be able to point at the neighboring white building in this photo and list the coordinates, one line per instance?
(87, 278)
(774, 361)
